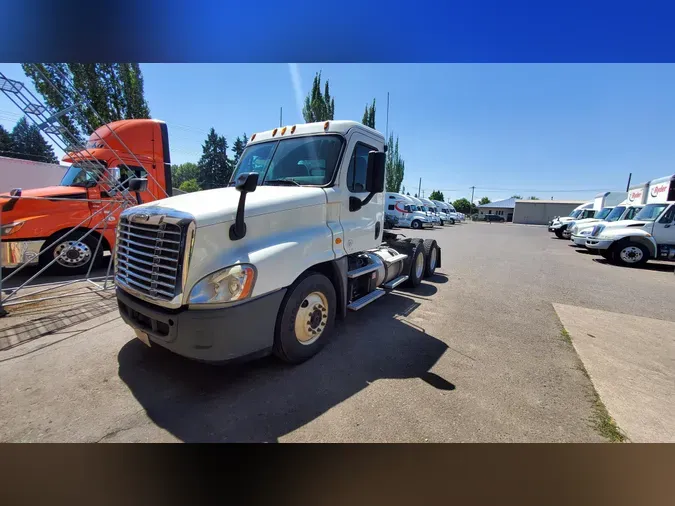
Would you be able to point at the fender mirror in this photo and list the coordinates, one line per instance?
(245, 183)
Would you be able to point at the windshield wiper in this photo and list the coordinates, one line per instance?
(289, 182)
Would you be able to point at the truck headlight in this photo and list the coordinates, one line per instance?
(10, 228)
(226, 285)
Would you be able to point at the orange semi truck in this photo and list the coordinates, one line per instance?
(37, 225)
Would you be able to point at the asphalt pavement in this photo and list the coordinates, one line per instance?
(473, 354)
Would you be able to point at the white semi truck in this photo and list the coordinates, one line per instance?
(421, 206)
(649, 235)
(405, 211)
(433, 210)
(626, 210)
(603, 203)
(559, 224)
(267, 264)
(443, 212)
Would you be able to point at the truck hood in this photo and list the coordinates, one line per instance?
(220, 205)
(624, 223)
(75, 192)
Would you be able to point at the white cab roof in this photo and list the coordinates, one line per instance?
(335, 127)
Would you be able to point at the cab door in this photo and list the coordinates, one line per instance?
(363, 228)
(664, 232)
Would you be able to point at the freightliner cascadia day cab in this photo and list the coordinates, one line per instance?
(32, 226)
(266, 264)
(626, 210)
(559, 225)
(649, 235)
(603, 203)
(433, 209)
(435, 220)
(405, 211)
(444, 211)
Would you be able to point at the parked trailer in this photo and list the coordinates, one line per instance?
(267, 265)
(28, 174)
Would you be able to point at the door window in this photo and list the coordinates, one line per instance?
(358, 166)
(668, 216)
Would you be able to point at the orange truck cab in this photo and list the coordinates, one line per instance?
(35, 222)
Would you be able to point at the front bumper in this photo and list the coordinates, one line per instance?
(427, 224)
(16, 253)
(208, 335)
(593, 243)
(579, 240)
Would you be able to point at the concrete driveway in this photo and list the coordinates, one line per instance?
(474, 354)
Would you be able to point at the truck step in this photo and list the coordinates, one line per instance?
(397, 258)
(395, 282)
(366, 299)
(366, 269)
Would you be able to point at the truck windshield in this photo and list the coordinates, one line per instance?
(80, 176)
(301, 161)
(616, 213)
(575, 213)
(602, 213)
(650, 212)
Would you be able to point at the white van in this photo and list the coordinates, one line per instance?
(626, 210)
(650, 234)
(405, 211)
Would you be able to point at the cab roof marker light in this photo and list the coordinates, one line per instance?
(293, 129)
(274, 132)
(283, 131)
(253, 137)
(325, 125)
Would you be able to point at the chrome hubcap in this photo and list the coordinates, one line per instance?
(72, 253)
(631, 254)
(311, 319)
(432, 259)
(419, 266)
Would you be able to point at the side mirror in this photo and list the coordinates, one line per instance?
(245, 183)
(375, 172)
(138, 184)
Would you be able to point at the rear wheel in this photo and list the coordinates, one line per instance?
(306, 319)
(430, 256)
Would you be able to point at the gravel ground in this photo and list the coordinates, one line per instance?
(474, 354)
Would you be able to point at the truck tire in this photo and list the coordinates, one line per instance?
(559, 232)
(452, 221)
(413, 248)
(430, 257)
(630, 254)
(416, 224)
(305, 320)
(73, 260)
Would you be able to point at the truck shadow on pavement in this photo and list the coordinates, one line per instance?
(263, 400)
(649, 266)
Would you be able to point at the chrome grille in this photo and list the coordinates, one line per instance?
(149, 257)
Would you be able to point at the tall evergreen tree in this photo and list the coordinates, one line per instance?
(318, 106)
(114, 90)
(395, 166)
(238, 149)
(215, 168)
(28, 143)
(369, 115)
(5, 142)
(437, 195)
(184, 172)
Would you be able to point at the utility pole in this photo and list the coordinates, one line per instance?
(386, 133)
(628, 184)
(470, 207)
(419, 189)
(281, 116)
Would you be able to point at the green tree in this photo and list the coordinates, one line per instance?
(215, 168)
(395, 166)
(189, 186)
(403, 190)
(5, 142)
(462, 206)
(238, 149)
(533, 198)
(318, 106)
(114, 90)
(369, 115)
(28, 143)
(518, 197)
(484, 200)
(184, 172)
(437, 195)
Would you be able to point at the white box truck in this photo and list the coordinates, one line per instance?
(649, 235)
(603, 203)
(266, 264)
(626, 210)
(559, 224)
(405, 211)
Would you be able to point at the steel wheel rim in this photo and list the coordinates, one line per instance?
(631, 254)
(419, 266)
(311, 319)
(432, 259)
(72, 254)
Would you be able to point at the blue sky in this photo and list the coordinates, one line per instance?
(530, 129)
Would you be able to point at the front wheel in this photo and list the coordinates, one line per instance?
(416, 224)
(631, 254)
(73, 253)
(452, 221)
(306, 319)
(559, 233)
